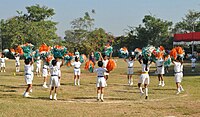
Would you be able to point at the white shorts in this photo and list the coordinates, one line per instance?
(17, 64)
(193, 64)
(38, 69)
(59, 75)
(54, 82)
(178, 77)
(77, 71)
(44, 72)
(130, 71)
(29, 79)
(3, 65)
(160, 70)
(106, 73)
(144, 79)
(101, 82)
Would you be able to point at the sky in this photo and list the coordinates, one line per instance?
(112, 15)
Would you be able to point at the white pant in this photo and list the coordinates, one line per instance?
(77, 71)
(29, 78)
(3, 65)
(44, 72)
(101, 82)
(130, 71)
(144, 79)
(54, 82)
(160, 70)
(178, 77)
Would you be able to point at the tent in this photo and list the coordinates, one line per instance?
(192, 38)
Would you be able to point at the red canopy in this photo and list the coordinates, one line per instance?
(193, 36)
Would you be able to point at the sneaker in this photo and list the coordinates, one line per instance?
(131, 83)
(102, 100)
(98, 99)
(146, 97)
(31, 90)
(75, 84)
(178, 92)
(160, 84)
(45, 86)
(50, 97)
(163, 84)
(27, 95)
(181, 88)
(141, 93)
(54, 97)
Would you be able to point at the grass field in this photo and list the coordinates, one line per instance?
(120, 99)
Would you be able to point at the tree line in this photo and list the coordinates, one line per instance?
(36, 27)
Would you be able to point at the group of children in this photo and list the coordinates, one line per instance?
(102, 73)
(160, 71)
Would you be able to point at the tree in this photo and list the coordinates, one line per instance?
(33, 26)
(153, 31)
(190, 23)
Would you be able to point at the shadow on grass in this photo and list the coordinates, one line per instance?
(13, 87)
(125, 91)
(39, 98)
(8, 90)
(162, 89)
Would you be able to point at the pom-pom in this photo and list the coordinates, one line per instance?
(19, 50)
(137, 53)
(44, 48)
(123, 52)
(111, 65)
(97, 56)
(89, 65)
(108, 50)
(177, 51)
(49, 59)
(59, 51)
(12, 51)
(27, 49)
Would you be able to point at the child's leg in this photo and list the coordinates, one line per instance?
(131, 80)
(55, 94)
(178, 87)
(106, 77)
(146, 90)
(78, 77)
(45, 82)
(74, 79)
(102, 92)
(98, 93)
(162, 80)
(52, 88)
(26, 94)
(159, 79)
(140, 88)
(128, 79)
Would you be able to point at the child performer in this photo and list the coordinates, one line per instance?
(45, 73)
(193, 61)
(28, 75)
(130, 63)
(144, 77)
(77, 70)
(101, 82)
(54, 82)
(38, 66)
(178, 69)
(3, 63)
(160, 71)
(105, 62)
(167, 63)
(76, 53)
(59, 64)
(17, 62)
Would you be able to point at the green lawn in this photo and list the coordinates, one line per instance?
(120, 99)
